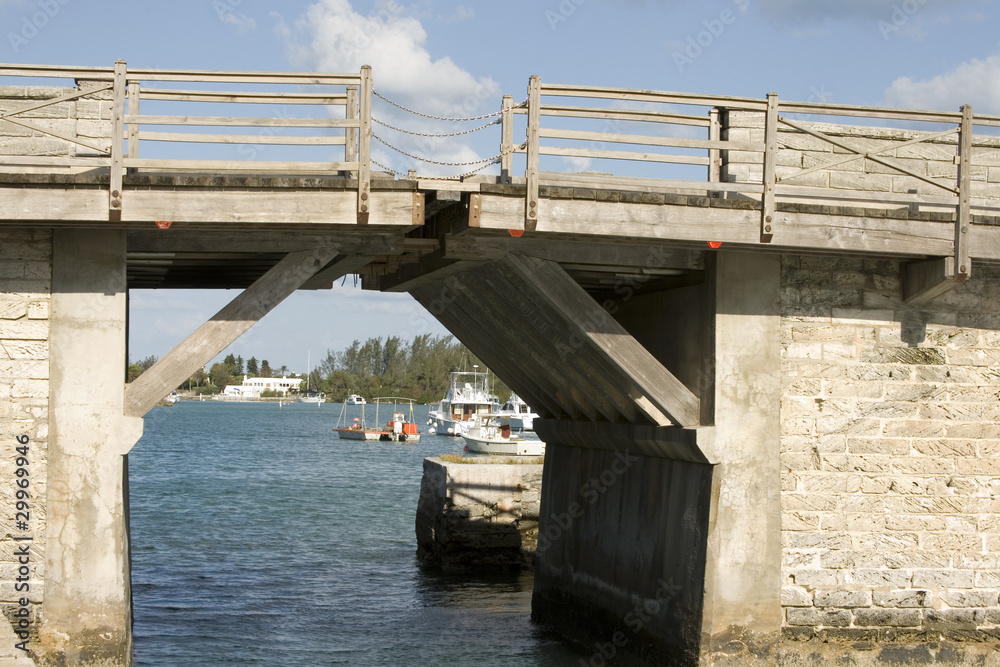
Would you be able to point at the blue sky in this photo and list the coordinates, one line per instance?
(459, 58)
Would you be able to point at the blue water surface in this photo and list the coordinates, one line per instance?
(260, 538)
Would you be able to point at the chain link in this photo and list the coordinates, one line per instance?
(455, 120)
(487, 163)
(448, 134)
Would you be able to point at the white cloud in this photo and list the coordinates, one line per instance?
(333, 37)
(242, 22)
(461, 14)
(976, 82)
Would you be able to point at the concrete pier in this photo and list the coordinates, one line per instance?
(478, 515)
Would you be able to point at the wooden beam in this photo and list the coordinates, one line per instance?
(428, 269)
(767, 223)
(922, 281)
(963, 219)
(225, 326)
(115, 189)
(335, 270)
(611, 340)
(347, 242)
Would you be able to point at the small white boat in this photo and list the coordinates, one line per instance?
(521, 416)
(397, 429)
(355, 399)
(492, 434)
(315, 398)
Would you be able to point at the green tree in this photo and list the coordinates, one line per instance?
(220, 375)
(265, 369)
(252, 369)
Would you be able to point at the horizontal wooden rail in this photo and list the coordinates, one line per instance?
(622, 155)
(224, 121)
(676, 142)
(239, 165)
(610, 113)
(264, 140)
(241, 97)
(747, 103)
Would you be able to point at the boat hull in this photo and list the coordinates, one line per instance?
(504, 446)
(357, 434)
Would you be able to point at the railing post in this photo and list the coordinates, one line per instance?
(714, 154)
(351, 113)
(531, 172)
(963, 218)
(117, 143)
(365, 145)
(506, 139)
(770, 162)
(133, 110)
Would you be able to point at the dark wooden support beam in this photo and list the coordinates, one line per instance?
(225, 326)
(922, 281)
(335, 270)
(660, 390)
(254, 241)
(429, 269)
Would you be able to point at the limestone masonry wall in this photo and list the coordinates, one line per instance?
(797, 150)
(890, 455)
(88, 119)
(25, 288)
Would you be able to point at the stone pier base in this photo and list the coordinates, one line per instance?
(478, 515)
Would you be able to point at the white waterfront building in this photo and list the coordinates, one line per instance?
(253, 387)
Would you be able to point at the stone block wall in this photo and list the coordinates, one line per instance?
(890, 455)
(478, 514)
(87, 118)
(25, 297)
(797, 150)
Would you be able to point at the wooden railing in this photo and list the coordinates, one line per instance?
(345, 101)
(655, 116)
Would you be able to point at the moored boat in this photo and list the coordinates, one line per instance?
(521, 416)
(492, 434)
(355, 399)
(467, 396)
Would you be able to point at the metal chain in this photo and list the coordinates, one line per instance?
(449, 134)
(456, 120)
(424, 159)
(490, 162)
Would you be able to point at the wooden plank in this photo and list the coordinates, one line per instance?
(225, 326)
(608, 337)
(351, 113)
(134, 95)
(770, 164)
(56, 71)
(226, 121)
(115, 190)
(622, 155)
(805, 192)
(280, 207)
(925, 280)
(496, 357)
(541, 335)
(714, 154)
(364, 144)
(531, 170)
(335, 270)
(963, 220)
(242, 97)
(246, 166)
(256, 139)
(609, 182)
(213, 76)
(560, 90)
(632, 115)
(506, 139)
(585, 250)
(887, 113)
(55, 161)
(676, 142)
(251, 240)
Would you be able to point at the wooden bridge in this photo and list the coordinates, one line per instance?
(686, 201)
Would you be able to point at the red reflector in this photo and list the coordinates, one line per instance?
(164, 224)
(714, 244)
(516, 233)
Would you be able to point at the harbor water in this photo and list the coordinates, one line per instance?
(260, 538)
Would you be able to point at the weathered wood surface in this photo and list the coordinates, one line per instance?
(225, 326)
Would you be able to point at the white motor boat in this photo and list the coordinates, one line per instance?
(355, 399)
(492, 434)
(521, 416)
(468, 395)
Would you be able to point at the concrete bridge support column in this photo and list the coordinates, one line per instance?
(662, 545)
(86, 613)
